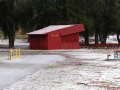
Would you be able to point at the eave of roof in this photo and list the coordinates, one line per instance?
(49, 29)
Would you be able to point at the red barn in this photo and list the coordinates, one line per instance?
(56, 37)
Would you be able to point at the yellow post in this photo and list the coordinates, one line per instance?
(18, 52)
(16, 55)
(11, 54)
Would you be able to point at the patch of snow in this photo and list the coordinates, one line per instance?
(93, 74)
(40, 73)
(110, 39)
(14, 70)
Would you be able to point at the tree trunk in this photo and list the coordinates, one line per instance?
(96, 36)
(12, 35)
(105, 35)
(11, 41)
(118, 37)
(86, 37)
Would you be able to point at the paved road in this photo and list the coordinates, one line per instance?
(16, 70)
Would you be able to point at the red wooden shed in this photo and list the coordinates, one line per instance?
(56, 37)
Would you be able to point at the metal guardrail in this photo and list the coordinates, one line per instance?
(99, 46)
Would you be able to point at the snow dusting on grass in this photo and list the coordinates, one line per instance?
(94, 73)
(80, 69)
(69, 78)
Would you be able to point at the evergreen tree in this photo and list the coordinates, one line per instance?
(8, 16)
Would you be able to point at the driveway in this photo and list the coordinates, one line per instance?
(16, 70)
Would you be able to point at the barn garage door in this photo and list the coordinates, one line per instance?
(70, 41)
(33, 42)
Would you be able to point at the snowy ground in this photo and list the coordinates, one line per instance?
(83, 69)
(14, 70)
(110, 39)
(23, 43)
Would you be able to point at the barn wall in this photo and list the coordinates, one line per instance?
(42, 42)
(70, 38)
(66, 38)
(38, 42)
(70, 41)
(70, 45)
(73, 29)
(33, 41)
(54, 40)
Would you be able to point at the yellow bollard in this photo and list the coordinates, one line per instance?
(18, 52)
(11, 54)
(16, 55)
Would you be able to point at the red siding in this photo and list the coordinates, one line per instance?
(70, 41)
(66, 38)
(33, 41)
(42, 42)
(70, 45)
(70, 38)
(37, 42)
(54, 40)
(73, 29)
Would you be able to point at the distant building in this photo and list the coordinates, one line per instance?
(56, 37)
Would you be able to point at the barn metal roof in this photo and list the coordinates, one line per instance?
(49, 29)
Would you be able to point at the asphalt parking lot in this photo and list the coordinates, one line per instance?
(14, 70)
